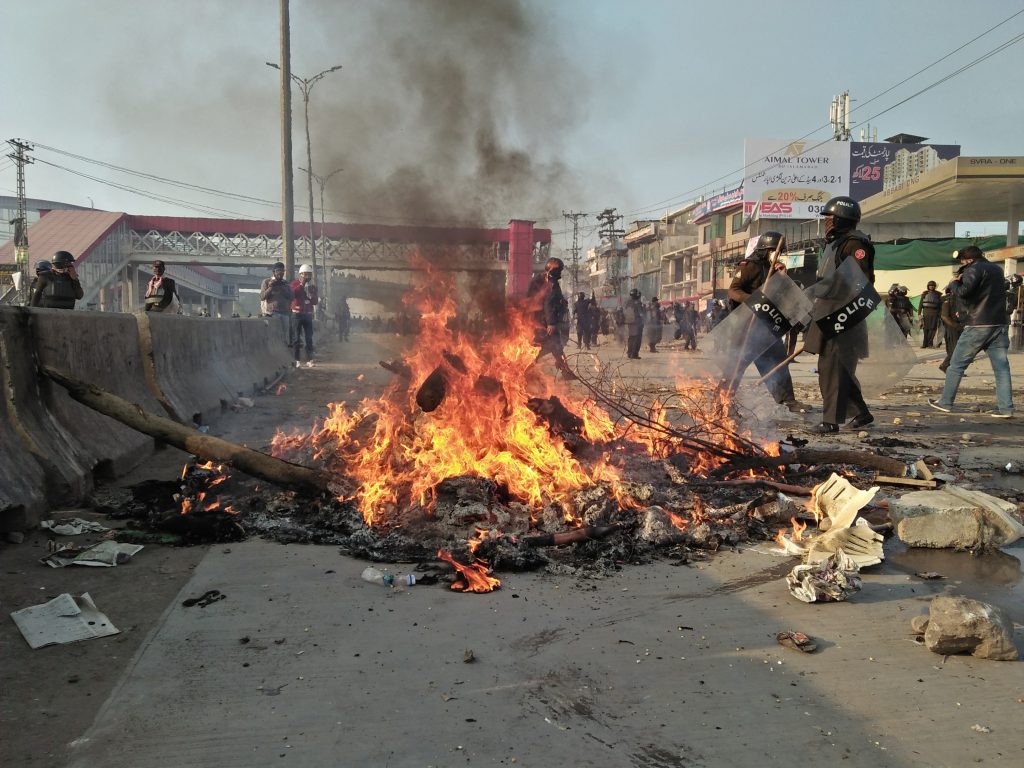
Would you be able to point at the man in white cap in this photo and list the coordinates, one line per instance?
(304, 298)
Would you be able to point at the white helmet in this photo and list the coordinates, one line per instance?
(306, 268)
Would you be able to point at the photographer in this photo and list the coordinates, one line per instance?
(276, 296)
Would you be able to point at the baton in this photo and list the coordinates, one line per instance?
(787, 361)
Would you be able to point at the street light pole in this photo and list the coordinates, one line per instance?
(306, 85)
(322, 182)
(287, 192)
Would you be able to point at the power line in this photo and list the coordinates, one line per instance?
(661, 203)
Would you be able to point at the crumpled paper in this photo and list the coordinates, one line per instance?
(832, 580)
(73, 527)
(105, 554)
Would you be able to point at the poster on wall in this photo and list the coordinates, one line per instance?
(882, 167)
(793, 179)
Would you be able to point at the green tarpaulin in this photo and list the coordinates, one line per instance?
(929, 253)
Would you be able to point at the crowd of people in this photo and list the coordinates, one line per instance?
(973, 313)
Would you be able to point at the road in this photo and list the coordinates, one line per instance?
(655, 666)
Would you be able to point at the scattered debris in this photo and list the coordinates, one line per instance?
(63, 620)
(468, 657)
(834, 579)
(961, 625)
(798, 641)
(911, 482)
(73, 527)
(981, 728)
(106, 554)
(929, 575)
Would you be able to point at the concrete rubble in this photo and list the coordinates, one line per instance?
(955, 518)
(962, 625)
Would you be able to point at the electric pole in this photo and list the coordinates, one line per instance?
(287, 194)
(21, 159)
(575, 250)
(610, 232)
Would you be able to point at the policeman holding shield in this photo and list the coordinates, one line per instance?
(751, 275)
(839, 336)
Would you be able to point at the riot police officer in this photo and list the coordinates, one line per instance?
(550, 309)
(838, 355)
(634, 310)
(750, 276)
(931, 306)
(60, 287)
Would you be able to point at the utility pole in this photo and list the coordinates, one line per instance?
(611, 232)
(21, 159)
(306, 85)
(287, 200)
(575, 216)
(322, 182)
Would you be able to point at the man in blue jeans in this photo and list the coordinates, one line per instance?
(981, 289)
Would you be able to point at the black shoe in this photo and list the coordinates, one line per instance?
(865, 419)
(825, 428)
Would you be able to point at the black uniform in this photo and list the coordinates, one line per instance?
(750, 276)
(581, 311)
(551, 306)
(838, 356)
(931, 304)
(952, 317)
(55, 290)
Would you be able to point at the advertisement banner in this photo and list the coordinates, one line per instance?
(879, 166)
(716, 203)
(793, 179)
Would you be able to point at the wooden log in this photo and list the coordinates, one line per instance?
(206, 447)
(909, 482)
(886, 464)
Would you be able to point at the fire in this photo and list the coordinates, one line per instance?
(397, 454)
(210, 475)
(458, 406)
(475, 576)
(797, 534)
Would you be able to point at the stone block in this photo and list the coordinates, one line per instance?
(955, 518)
(962, 625)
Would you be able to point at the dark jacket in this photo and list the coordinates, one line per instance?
(981, 290)
(55, 290)
(277, 294)
(750, 276)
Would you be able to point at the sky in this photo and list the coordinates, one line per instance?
(479, 111)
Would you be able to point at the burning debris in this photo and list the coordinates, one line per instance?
(474, 456)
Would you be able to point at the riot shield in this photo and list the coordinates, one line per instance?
(890, 356)
(871, 345)
(756, 326)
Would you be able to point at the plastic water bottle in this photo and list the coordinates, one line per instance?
(375, 576)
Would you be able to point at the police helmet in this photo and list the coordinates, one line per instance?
(842, 208)
(1016, 280)
(904, 290)
(932, 284)
(43, 266)
(768, 241)
(635, 293)
(63, 259)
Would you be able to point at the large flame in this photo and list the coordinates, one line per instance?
(396, 454)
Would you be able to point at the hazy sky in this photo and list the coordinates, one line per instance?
(478, 111)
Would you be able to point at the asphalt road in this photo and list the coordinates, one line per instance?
(655, 666)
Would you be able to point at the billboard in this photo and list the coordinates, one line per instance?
(878, 166)
(716, 203)
(793, 179)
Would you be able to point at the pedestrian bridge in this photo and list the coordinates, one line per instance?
(114, 251)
